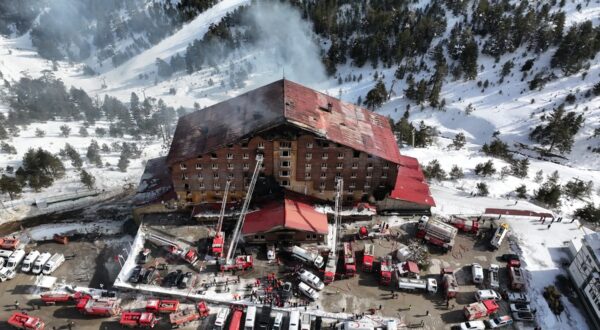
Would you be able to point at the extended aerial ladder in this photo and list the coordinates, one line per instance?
(331, 266)
(219, 239)
(243, 261)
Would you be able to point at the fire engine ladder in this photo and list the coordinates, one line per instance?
(335, 232)
(222, 214)
(238, 226)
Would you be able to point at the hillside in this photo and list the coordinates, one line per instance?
(299, 45)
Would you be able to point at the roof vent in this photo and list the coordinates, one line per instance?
(327, 107)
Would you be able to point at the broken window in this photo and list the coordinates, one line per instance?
(183, 166)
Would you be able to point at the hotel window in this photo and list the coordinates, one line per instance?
(232, 187)
(324, 165)
(230, 176)
(323, 175)
(186, 187)
(213, 155)
(261, 145)
(354, 165)
(308, 166)
(285, 163)
(322, 185)
(370, 166)
(285, 144)
(350, 191)
(325, 155)
(230, 146)
(384, 175)
(309, 145)
(198, 166)
(352, 185)
(285, 153)
(284, 173)
(229, 166)
(340, 155)
(353, 175)
(307, 175)
(285, 183)
(369, 156)
(244, 145)
(369, 175)
(338, 175)
(246, 156)
(215, 166)
(201, 185)
(308, 155)
(367, 186)
(229, 156)
(325, 144)
(246, 166)
(216, 175)
(339, 165)
(183, 166)
(217, 186)
(200, 177)
(386, 165)
(199, 156)
(184, 176)
(356, 154)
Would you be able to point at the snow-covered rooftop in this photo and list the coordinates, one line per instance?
(593, 241)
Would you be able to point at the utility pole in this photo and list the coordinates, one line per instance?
(413, 137)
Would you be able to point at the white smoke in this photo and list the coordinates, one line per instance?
(285, 43)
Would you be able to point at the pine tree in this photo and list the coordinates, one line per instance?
(65, 130)
(521, 191)
(433, 170)
(70, 152)
(39, 133)
(376, 96)
(87, 179)
(485, 169)
(560, 130)
(83, 131)
(93, 154)
(123, 162)
(456, 173)
(459, 141)
(482, 189)
(10, 186)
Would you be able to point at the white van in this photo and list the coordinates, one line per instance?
(308, 257)
(5, 253)
(477, 272)
(311, 279)
(308, 291)
(55, 261)
(305, 322)
(6, 274)
(221, 319)
(29, 260)
(278, 323)
(250, 318)
(294, 323)
(482, 295)
(15, 259)
(39, 263)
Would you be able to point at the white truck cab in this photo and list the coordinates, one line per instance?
(53, 263)
(15, 259)
(39, 263)
(29, 260)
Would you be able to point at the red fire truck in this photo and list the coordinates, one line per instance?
(478, 310)
(436, 232)
(52, 298)
(7, 243)
(99, 307)
(162, 306)
(236, 318)
(239, 263)
(385, 271)
(183, 317)
(368, 257)
(203, 309)
(349, 260)
(449, 282)
(24, 321)
(464, 225)
(138, 320)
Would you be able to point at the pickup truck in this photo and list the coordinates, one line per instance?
(494, 281)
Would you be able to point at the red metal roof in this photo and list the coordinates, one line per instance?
(289, 213)
(409, 162)
(524, 213)
(415, 173)
(411, 190)
(278, 103)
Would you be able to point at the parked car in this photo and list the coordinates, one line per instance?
(170, 280)
(149, 275)
(286, 290)
(518, 297)
(311, 279)
(185, 280)
(270, 252)
(523, 316)
(500, 321)
(481, 295)
(135, 274)
(7, 274)
(477, 272)
(308, 291)
(472, 325)
(520, 307)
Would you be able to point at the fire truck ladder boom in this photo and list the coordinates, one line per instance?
(337, 216)
(238, 226)
(223, 204)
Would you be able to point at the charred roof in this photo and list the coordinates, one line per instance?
(278, 103)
